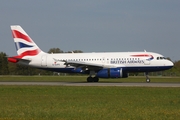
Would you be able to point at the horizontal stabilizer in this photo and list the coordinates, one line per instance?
(16, 59)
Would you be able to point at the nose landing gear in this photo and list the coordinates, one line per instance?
(147, 77)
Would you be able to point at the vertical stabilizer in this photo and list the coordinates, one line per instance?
(25, 46)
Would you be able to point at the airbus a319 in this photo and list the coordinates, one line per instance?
(96, 65)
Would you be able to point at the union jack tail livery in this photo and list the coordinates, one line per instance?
(25, 46)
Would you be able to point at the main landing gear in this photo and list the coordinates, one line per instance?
(92, 79)
(147, 77)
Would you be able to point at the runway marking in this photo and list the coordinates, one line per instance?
(93, 84)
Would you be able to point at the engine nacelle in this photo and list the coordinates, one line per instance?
(112, 73)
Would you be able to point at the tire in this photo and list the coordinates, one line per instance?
(96, 79)
(89, 79)
(148, 80)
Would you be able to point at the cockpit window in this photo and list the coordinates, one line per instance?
(161, 58)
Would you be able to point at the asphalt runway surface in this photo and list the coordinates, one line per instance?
(93, 84)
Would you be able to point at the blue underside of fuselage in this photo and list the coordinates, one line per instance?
(125, 69)
(146, 69)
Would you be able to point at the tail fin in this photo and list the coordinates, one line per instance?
(25, 46)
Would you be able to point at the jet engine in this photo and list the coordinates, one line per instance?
(112, 73)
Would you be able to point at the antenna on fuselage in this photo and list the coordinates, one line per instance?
(144, 50)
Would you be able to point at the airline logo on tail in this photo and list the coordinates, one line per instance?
(25, 46)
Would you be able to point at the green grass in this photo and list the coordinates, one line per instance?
(83, 79)
(89, 103)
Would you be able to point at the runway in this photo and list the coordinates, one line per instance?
(93, 84)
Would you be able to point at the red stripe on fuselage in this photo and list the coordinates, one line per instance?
(142, 55)
(17, 34)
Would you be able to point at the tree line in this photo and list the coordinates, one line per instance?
(8, 68)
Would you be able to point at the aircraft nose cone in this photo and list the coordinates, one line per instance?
(171, 64)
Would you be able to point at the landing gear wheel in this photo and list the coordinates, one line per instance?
(147, 77)
(92, 79)
(148, 80)
(96, 79)
(89, 79)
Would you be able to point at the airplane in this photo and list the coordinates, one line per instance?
(96, 65)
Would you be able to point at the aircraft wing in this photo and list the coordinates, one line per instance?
(88, 66)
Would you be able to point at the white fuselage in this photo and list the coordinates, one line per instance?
(131, 61)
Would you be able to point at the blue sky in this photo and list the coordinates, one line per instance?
(95, 25)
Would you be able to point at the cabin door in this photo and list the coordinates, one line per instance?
(44, 60)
